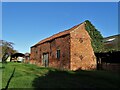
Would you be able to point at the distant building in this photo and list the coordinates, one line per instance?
(27, 57)
(112, 42)
(20, 59)
(110, 59)
(70, 49)
(8, 59)
(17, 57)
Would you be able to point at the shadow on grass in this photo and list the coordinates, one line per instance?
(78, 79)
(2, 67)
(9, 80)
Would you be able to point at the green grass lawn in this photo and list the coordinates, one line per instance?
(32, 76)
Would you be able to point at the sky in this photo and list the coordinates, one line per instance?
(26, 23)
(60, 0)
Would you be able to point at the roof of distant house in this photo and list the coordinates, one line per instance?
(112, 38)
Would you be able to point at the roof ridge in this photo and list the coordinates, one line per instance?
(59, 34)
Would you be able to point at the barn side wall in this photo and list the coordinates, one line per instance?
(82, 54)
(62, 43)
(33, 55)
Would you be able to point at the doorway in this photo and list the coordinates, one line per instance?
(45, 60)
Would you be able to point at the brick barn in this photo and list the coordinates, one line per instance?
(70, 49)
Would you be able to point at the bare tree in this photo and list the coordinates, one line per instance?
(7, 49)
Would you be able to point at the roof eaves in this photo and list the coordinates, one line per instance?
(66, 32)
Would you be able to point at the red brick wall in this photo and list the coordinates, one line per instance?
(75, 51)
(61, 43)
(82, 55)
(33, 55)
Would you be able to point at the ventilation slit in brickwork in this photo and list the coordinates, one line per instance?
(81, 57)
(81, 40)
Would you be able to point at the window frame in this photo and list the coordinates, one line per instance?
(58, 54)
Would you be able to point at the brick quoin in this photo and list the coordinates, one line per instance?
(73, 47)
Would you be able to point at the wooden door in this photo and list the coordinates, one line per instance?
(45, 60)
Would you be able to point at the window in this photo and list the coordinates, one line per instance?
(36, 51)
(58, 54)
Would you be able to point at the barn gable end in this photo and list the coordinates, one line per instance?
(81, 51)
(70, 49)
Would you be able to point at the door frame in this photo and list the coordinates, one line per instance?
(45, 59)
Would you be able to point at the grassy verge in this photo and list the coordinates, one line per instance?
(31, 76)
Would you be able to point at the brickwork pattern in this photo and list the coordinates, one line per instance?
(82, 54)
(75, 50)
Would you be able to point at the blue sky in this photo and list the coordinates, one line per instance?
(25, 24)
